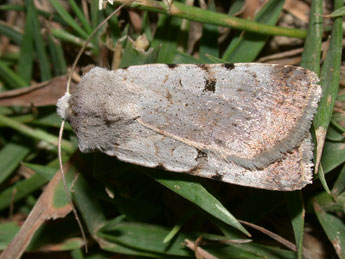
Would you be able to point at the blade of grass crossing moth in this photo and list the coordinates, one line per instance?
(310, 60)
(334, 229)
(12, 79)
(245, 48)
(26, 58)
(10, 156)
(68, 18)
(57, 56)
(209, 39)
(80, 16)
(329, 80)
(39, 43)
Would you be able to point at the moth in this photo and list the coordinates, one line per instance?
(244, 123)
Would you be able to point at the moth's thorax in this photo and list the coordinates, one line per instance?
(101, 110)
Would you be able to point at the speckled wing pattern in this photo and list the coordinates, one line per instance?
(246, 124)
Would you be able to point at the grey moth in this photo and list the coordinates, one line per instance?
(245, 123)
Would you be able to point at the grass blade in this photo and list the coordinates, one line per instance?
(39, 43)
(11, 155)
(193, 191)
(68, 18)
(329, 80)
(26, 57)
(334, 228)
(204, 16)
(245, 48)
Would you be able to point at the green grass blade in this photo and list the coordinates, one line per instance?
(236, 7)
(88, 206)
(26, 57)
(337, 13)
(37, 133)
(312, 47)
(339, 185)
(333, 155)
(20, 190)
(10, 156)
(68, 18)
(310, 60)
(193, 191)
(297, 214)
(11, 33)
(167, 31)
(132, 56)
(57, 56)
(209, 40)
(334, 229)
(146, 240)
(245, 48)
(80, 16)
(184, 58)
(329, 80)
(21, 8)
(10, 77)
(39, 43)
(204, 16)
(68, 37)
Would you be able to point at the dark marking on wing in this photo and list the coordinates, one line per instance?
(229, 66)
(217, 177)
(172, 66)
(204, 67)
(160, 166)
(201, 154)
(210, 85)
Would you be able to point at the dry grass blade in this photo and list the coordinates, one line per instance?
(42, 211)
(28, 96)
(198, 251)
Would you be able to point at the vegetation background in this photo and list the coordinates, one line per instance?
(129, 211)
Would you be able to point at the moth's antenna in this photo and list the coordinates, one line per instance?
(63, 120)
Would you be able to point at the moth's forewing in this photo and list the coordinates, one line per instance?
(244, 123)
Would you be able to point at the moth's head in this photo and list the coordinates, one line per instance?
(63, 107)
